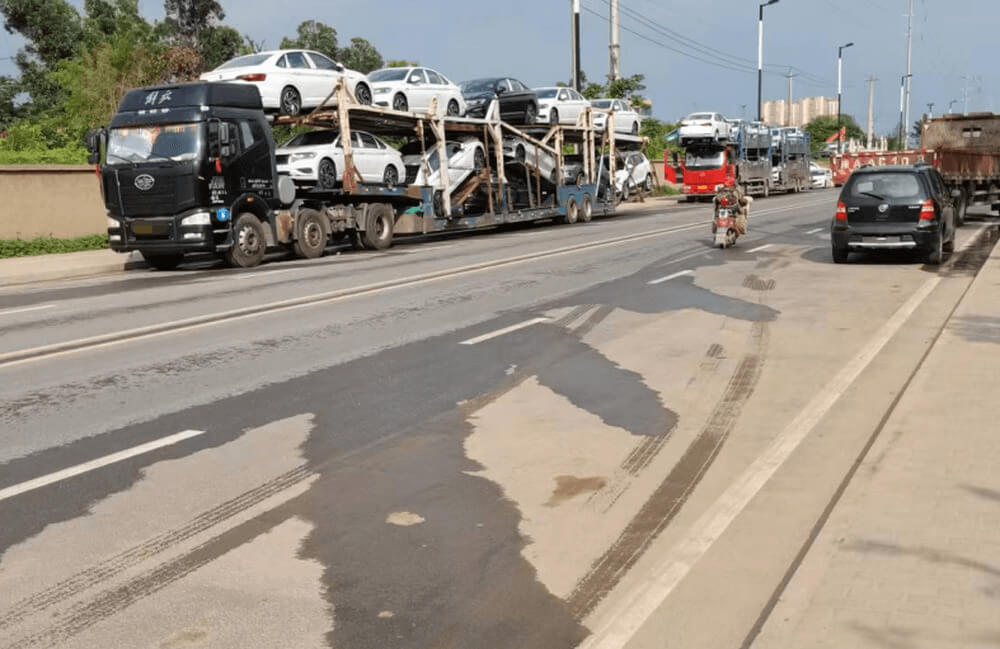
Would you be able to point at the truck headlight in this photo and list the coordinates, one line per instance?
(114, 224)
(198, 218)
(308, 155)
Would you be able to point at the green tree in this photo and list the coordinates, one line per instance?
(401, 63)
(594, 90)
(657, 132)
(216, 45)
(822, 128)
(52, 28)
(187, 20)
(361, 56)
(314, 35)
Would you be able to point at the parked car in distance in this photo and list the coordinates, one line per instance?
(559, 105)
(518, 102)
(524, 152)
(894, 208)
(626, 119)
(412, 89)
(822, 178)
(317, 158)
(291, 81)
(703, 126)
(465, 156)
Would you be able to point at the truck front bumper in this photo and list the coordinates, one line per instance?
(198, 230)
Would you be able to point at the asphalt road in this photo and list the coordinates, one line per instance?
(611, 434)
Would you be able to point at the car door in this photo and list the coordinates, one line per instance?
(576, 104)
(436, 87)
(417, 90)
(375, 163)
(304, 77)
(327, 73)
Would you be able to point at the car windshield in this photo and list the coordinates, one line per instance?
(389, 74)
(312, 138)
(698, 117)
(155, 142)
(709, 160)
(245, 61)
(479, 85)
(885, 186)
(601, 103)
(547, 93)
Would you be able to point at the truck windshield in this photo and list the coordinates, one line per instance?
(705, 160)
(174, 142)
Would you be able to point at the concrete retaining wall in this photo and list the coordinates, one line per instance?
(61, 201)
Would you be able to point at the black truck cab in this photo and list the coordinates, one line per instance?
(190, 168)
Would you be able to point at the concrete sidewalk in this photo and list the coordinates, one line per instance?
(72, 265)
(910, 556)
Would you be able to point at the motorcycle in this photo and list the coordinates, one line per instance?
(724, 223)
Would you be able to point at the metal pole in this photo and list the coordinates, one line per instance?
(902, 100)
(615, 46)
(760, 64)
(930, 110)
(840, 68)
(577, 81)
(909, 75)
(788, 104)
(871, 110)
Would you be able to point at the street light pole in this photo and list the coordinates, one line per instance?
(951, 103)
(760, 59)
(840, 71)
(576, 46)
(902, 95)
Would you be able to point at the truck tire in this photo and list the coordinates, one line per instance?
(378, 227)
(767, 189)
(572, 212)
(249, 242)
(163, 262)
(586, 209)
(961, 209)
(311, 234)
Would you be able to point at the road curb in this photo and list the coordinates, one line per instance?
(54, 269)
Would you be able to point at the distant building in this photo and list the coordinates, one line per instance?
(802, 111)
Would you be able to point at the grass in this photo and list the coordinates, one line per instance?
(666, 190)
(47, 156)
(50, 245)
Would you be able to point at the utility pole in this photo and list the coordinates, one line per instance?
(788, 104)
(909, 73)
(575, 38)
(965, 95)
(902, 101)
(615, 46)
(871, 110)
(760, 59)
(840, 70)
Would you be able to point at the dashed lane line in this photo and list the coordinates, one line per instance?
(673, 276)
(27, 309)
(501, 332)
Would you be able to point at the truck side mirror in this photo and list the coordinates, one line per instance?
(93, 141)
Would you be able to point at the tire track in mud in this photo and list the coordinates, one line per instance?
(113, 566)
(667, 500)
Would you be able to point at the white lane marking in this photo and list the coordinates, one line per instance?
(27, 309)
(632, 612)
(66, 348)
(505, 330)
(815, 230)
(759, 248)
(674, 276)
(239, 277)
(73, 471)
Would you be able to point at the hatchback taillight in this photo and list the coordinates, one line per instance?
(257, 76)
(927, 210)
(841, 214)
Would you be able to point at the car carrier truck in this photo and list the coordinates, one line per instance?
(743, 159)
(190, 168)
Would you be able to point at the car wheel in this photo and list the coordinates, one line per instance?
(840, 255)
(452, 108)
(249, 242)
(530, 114)
(378, 227)
(479, 160)
(163, 262)
(625, 192)
(399, 103)
(586, 209)
(635, 128)
(936, 254)
(311, 234)
(390, 177)
(649, 183)
(554, 116)
(326, 175)
(363, 94)
(291, 101)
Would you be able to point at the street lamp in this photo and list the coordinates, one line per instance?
(760, 59)
(840, 70)
(951, 103)
(902, 90)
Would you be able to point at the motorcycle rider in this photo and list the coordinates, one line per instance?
(734, 198)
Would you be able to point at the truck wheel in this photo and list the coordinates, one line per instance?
(378, 227)
(586, 209)
(767, 189)
(961, 208)
(311, 234)
(249, 242)
(572, 212)
(163, 262)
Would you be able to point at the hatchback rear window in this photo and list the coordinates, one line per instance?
(896, 186)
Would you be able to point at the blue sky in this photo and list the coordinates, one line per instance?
(529, 39)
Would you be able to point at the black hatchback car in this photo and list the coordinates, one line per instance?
(518, 102)
(894, 208)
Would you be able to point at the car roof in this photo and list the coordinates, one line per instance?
(892, 169)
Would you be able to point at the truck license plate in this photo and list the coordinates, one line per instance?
(150, 229)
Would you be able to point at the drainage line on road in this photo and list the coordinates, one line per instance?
(973, 253)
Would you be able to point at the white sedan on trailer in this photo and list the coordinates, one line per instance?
(412, 89)
(626, 119)
(317, 158)
(290, 81)
(703, 126)
(465, 156)
(559, 105)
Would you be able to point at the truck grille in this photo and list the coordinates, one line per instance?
(160, 199)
